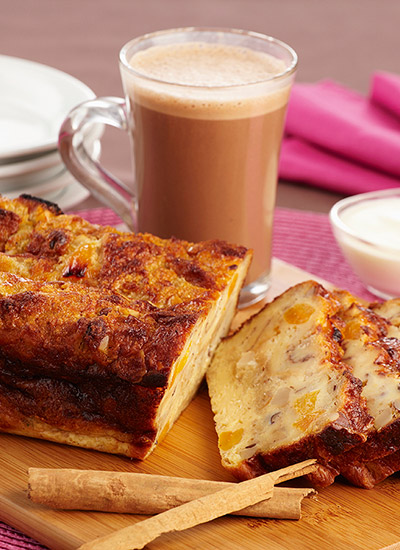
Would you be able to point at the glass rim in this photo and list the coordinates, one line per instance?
(289, 70)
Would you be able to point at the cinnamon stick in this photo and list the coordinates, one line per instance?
(230, 499)
(135, 493)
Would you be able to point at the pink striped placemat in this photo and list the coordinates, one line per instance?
(11, 539)
(303, 239)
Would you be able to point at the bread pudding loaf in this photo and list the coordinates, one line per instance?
(280, 391)
(105, 336)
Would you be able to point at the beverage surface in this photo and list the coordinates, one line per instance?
(201, 80)
(205, 64)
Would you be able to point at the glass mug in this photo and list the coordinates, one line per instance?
(205, 112)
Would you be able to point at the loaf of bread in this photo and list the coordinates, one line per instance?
(280, 390)
(105, 336)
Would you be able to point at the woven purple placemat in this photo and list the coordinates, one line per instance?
(11, 539)
(303, 239)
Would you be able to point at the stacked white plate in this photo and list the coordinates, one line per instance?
(34, 101)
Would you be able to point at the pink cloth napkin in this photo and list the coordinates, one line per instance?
(336, 138)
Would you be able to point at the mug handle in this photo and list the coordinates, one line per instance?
(73, 144)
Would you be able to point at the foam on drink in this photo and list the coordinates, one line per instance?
(204, 64)
(200, 75)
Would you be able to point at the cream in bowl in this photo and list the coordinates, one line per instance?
(367, 228)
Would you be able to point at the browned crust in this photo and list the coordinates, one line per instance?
(33, 202)
(67, 417)
(47, 245)
(368, 463)
(379, 444)
(9, 223)
(68, 323)
(369, 473)
(78, 432)
(53, 368)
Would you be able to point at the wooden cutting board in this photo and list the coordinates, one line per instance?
(339, 517)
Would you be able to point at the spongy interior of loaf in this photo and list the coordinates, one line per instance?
(272, 383)
(189, 370)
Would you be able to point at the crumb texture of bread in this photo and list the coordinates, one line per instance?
(280, 390)
(105, 336)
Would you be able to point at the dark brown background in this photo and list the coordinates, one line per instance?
(341, 39)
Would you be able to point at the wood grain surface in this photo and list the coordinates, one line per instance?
(340, 517)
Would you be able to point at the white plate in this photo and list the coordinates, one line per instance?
(63, 190)
(70, 196)
(40, 187)
(29, 165)
(23, 175)
(34, 101)
(34, 179)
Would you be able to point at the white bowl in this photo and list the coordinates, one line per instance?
(367, 229)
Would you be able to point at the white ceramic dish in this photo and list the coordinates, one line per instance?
(40, 186)
(32, 172)
(70, 196)
(29, 165)
(23, 182)
(367, 228)
(34, 100)
(64, 190)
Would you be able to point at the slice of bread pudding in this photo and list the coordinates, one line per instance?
(280, 390)
(371, 345)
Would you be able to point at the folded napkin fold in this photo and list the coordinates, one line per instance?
(336, 138)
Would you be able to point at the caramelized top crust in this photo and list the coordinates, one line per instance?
(41, 243)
